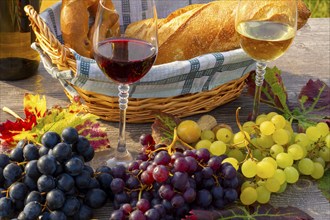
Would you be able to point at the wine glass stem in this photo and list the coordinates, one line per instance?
(260, 75)
(123, 102)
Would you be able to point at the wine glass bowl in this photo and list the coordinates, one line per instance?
(266, 29)
(123, 55)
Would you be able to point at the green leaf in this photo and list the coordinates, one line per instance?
(324, 184)
(163, 127)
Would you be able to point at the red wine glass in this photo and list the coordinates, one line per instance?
(125, 48)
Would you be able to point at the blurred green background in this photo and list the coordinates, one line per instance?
(319, 8)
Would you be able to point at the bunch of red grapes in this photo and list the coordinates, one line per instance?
(167, 183)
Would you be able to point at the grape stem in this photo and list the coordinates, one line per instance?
(175, 139)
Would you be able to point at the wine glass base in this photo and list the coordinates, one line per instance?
(120, 159)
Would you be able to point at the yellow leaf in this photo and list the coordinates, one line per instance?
(35, 105)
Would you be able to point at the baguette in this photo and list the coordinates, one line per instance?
(200, 29)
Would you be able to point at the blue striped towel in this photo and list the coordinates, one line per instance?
(199, 74)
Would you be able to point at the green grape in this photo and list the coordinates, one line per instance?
(239, 139)
(232, 161)
(218, 148)
(248, 184)
(272, 184)
(323, 128)
(313, 133)
(319, 160)
(302, 139)
(249, 127)
(248, 196)
(271, 160)
(237, 154)
(249, 168)
(265, 141)
(275, 150)
(280, 176)
(256, 153)
(318, 171)
(281, 136)
(189, 131)
(261, 118)
(327, 141)
(279, 121)
(208, 135)
(283, 187)
(224, 134)
(291, 174)
(270, 115)
(296, 151)
(265, 169)
(306, 166)
(284, 160)
(203, 144)
(288, 127)
(325, 154)
(267, 128)
(261, 182)
(263, 195)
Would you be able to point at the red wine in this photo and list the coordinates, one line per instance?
(125, 60)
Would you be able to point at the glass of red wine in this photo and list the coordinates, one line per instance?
(125, 48)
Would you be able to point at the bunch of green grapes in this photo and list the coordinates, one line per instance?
(269, 153)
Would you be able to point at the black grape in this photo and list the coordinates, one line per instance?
(70, 135)
(50, 139)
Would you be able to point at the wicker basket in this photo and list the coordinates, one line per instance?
(139, 110)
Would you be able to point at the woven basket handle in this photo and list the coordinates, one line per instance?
(59, 54)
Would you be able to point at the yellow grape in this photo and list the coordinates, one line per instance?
(318, 171)
(281, 136)
(270, 115)
(271, 160)
(232, 161)
(280, 176)
(189, 131)
(248, 184)
(296, 151)
(313, 133)
(283, 187)
(224, 134)
(302, 139)
(208, 135)
(263, 195)
(237, 154)
(249, 127)
(323, 128)
(327, 141)
(278, 121)
(218, 148)
(272, 184)
(291, 174)
(261, 118)
(239, 139)
(265, 141)
(203, 144)
(319, 160)
(265, 169)
(267, 128)
(306, 166)
(325, 154)
(275, 150)
(248, 196)
(249, 168)
(284, 160)
(257, 154)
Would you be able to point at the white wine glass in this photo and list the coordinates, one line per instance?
(125, 47)
(266, 29)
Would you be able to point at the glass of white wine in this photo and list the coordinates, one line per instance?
(266, 29)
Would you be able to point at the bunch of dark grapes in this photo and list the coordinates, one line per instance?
(165, 183)
(51, 180)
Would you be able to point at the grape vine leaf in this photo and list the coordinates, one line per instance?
(163, 127)
(253, 212)
(39, 119)
(324, 184)
(312, 106)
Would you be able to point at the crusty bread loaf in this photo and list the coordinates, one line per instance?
(200, 29)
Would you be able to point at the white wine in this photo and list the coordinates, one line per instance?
(265, 40)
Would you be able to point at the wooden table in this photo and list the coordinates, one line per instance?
(308, 57)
